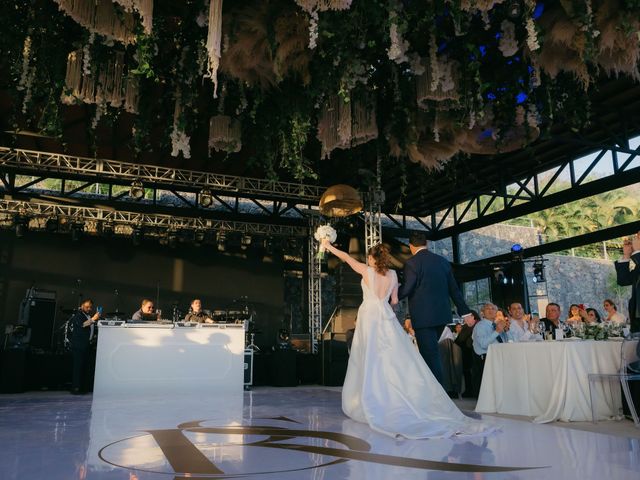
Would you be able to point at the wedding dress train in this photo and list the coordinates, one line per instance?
(388, 385)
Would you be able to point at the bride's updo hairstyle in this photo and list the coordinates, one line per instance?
(380, 254)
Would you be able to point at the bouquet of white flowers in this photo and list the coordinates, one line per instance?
(324, 231)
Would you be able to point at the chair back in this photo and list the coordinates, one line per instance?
(631, 354)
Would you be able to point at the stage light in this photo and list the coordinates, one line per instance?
(199, 237)
(137, 236)
(21, 224)
(234, 242)
(137, 190)
(498, 275)
(538, 273)
(76, 231)
(106, 229)
(172, 239)
(51, 225)
(246, 241)
(516, 248)
(205, 198)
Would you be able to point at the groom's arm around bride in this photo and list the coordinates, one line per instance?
(429, 284)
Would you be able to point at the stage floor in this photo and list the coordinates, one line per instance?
(270, 433)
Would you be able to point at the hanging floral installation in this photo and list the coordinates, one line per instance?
(284, 84)
(103, 17)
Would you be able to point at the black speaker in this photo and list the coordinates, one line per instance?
(40, 314)
(13, 370)
(509, 284)
(335, 358)
(283, 368)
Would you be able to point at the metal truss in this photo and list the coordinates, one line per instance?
(374, 200)
(45, 165)
(74, 213)
(522, 196)
(314, 287)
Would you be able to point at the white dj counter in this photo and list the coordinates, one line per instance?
(166, 359)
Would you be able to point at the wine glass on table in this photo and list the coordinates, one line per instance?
(541, 329)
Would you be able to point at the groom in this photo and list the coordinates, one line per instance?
(429, 283)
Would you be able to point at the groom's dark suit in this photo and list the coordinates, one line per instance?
(429, 283)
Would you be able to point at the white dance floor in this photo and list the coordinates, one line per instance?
(269, 433)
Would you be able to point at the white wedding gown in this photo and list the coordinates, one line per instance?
(388, 385)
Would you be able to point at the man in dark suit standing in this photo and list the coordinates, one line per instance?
(429, 283)
(628, 273)
(83, 324)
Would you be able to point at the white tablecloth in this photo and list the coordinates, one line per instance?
(548, 380)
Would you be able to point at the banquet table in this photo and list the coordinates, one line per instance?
(549, 380)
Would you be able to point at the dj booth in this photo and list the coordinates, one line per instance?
(154, 358)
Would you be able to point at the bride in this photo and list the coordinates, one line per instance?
(388, 385)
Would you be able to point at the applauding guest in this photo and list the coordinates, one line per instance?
(487, 331)
(628, 273)
(611, 312)
(518, 323)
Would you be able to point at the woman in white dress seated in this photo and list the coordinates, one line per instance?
(388, 385)
(611, 312)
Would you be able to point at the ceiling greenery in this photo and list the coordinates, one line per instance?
(286, 83)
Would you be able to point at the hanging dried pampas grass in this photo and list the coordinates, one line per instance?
(563, 47)
(618, 48)
(486, 140)
(431, 154)
(225, 134)
(291, 54)
(249, 56)
(101, 16)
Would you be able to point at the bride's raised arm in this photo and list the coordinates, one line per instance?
(357, 266)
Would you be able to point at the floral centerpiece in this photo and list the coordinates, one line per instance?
(324, 232)
(597, 331)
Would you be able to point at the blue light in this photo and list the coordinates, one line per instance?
(483, 50)
(491, 96)
(521, 97)
(498, 36)
(537, 12)
(486, 133)
(516, 248)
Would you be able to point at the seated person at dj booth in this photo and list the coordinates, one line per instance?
(147, 312)
(197, 314)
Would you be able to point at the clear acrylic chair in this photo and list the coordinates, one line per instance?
(629, 371)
